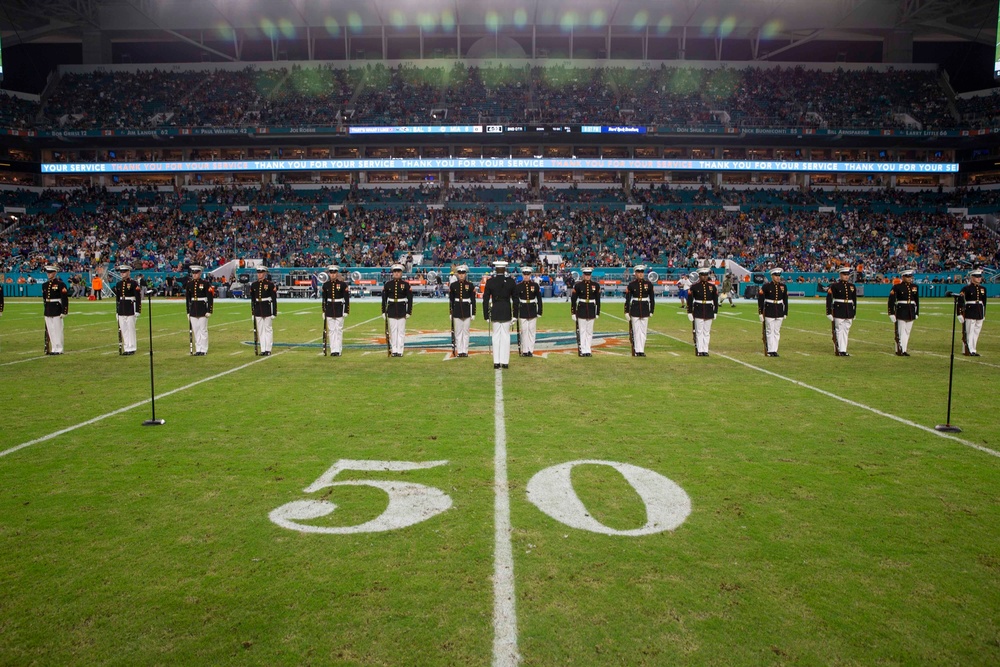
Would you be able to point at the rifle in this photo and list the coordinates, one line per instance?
(517, 323)
(631, 333)
(121, 343)
(190, 337)
(833, 334)
(256, 339)
(579, 350)
(326, 335)
(48, 343)
(899, 347)
(388, 343)
(965, 341)
(763, 334)
(454, 345)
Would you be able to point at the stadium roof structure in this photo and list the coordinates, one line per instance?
(221, 26)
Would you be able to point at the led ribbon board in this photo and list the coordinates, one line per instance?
(452, 164)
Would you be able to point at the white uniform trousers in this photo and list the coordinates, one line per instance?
(265, 332)
(586, 335)
(397, 334)
(972, 329)
(199, 325)
(640, 325)
(54, 325)
(528, 329)
(335, 334)
(501, 342)
(462, 328)
(841, 329)
(772, 332)
(702, 334)
(126, 324)
(903, 328)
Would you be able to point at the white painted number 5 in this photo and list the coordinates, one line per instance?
(409, 503)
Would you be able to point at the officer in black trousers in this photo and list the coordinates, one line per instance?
(498, 308)
(529, 308)
(640, 302)
(55, 299)
(200, 299)
(841, 308)
(702, 305)
(397, 306)
(772, 309)
(264, 308)
(585, 305)
(972, 312)
(336, 308)
(904, 309)
(128, 305)
(462, 309)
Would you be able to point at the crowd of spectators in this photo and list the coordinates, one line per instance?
(980, 111)
(17, 113)
(406, 94)
(95, 226)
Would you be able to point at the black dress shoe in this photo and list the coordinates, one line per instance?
(335, 354)
(844, 354)
(463, 354)
(504, 365)
(905, 354)
(496, 367)
(265, 354)
(975, 354)
(774, 354)
(531, 354)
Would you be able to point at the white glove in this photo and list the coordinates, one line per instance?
(407, 317)
(892, 318)
(830, 317)
(275, 315)
(473, 318)
(761, 318)
(628, 318)
(916, 317)
(573, 317)
(345, 315)
(690, 317)
(62, 317)
(384, 316)
(961, 319)
(597, 317)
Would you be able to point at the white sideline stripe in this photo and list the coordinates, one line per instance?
(901, 420)
(119, 411)
(504, 615)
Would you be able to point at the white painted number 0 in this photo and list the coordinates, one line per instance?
(409, 503)
(667, 505)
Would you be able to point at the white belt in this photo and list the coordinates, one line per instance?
(976, 301)
(396, 300)
(199, 299)
(773, 301)
(842, 301)
(338, 300)
(704, 302)
(53, 301)
(128, 298)
(464, 300)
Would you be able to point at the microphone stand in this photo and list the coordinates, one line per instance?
(152, 393)
(948, 427)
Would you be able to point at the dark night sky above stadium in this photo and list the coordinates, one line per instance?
(969, 65)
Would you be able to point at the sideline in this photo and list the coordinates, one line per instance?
(901, 420)
(119, 411)
(504, 614)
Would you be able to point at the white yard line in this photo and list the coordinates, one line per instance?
(127, 408)
(504, 614)
(901, 420)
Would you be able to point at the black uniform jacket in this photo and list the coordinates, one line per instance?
(263, 298)
(200, 297)
(498, 298)
(397, 299)
(904, 302)
(703, 300)
(56, 298)
(772, 300)
(639, 298)
(128, 297)
(528, 297)
(972, 302)
(842, 300)
(336, 298)
(462, 299)
(586, 300)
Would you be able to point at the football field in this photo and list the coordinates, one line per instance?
(362, 510)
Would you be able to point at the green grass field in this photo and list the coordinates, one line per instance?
(826, 527)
